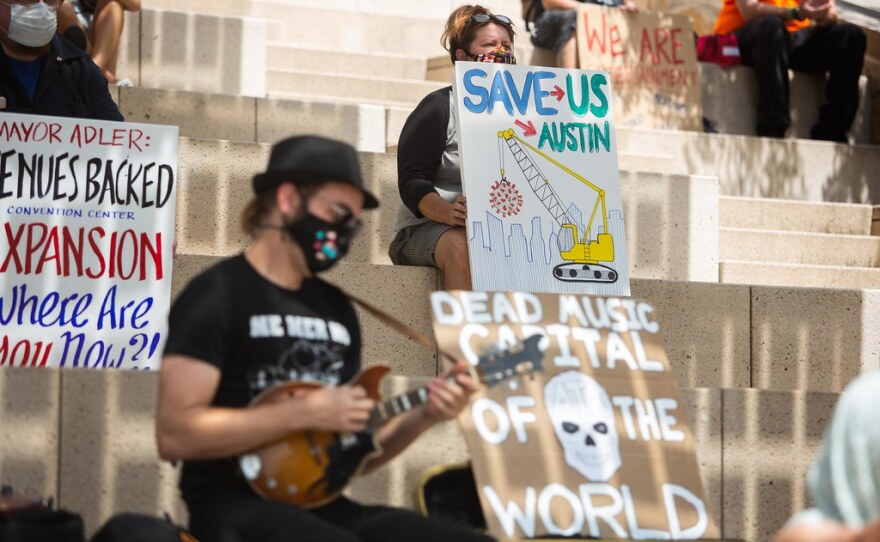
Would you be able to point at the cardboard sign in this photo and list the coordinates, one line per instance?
(539, 167)
(652, 61)
(87, 213)
(596, 442)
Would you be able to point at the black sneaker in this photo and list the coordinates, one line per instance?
(821, 133)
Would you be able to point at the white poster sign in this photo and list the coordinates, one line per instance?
(86, 233)
(540, 173)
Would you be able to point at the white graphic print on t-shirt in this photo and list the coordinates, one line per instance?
(315, 355)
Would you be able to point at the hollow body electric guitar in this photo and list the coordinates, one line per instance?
(311, 468)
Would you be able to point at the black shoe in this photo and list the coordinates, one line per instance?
(822, 133)
(76, 36)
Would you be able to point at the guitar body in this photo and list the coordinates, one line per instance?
(310, 468)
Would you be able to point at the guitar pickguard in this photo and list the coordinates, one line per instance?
(346, 456)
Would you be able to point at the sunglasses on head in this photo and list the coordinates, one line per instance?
(483, 18)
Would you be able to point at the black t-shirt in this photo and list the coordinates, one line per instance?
(259, 334)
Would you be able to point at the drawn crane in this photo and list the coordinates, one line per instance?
(582, 255)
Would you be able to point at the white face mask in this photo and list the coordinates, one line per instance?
(33, 25)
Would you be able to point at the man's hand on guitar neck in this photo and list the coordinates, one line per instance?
(344, 409)
(450, 393)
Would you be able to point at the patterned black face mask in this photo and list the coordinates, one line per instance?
(500, 55)
(323, 243)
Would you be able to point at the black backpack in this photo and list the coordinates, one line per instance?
(128, 527)
(531, 10)
(34, 520)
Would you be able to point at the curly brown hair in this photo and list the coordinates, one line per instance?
(459, 33)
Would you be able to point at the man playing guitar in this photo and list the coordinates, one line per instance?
(262, 318)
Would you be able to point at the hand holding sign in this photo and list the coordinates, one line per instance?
(458, 212)
(2, 102)
(816, 10)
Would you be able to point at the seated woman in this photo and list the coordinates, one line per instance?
(844, 480)
(431, 221)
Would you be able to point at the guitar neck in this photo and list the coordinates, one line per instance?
(399, 404)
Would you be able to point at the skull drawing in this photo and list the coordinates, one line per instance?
(584, 422)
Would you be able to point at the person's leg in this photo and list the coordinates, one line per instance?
(451, 257)
(838, 49)
(567, 55)
(764, 45)
(238, 515)
(386, 524)
(106, 31)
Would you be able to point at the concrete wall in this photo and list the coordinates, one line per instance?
(194, 51)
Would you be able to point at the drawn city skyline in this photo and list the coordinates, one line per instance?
(491, 247)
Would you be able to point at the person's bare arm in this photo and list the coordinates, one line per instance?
(130, 5)
(560, 4)
(188, 427)
(440, 210)
(447, 397)
(829, 531)
(755, 9)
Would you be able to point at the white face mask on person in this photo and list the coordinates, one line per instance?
(32, 26)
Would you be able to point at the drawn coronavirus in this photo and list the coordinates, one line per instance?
(505, 199)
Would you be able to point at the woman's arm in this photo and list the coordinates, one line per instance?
(419, 153)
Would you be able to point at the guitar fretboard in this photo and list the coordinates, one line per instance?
(397, 405)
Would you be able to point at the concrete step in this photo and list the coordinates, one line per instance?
(247, 119)
(801, 275)
(359, 89)
(800, 216)
(416, 9)
(789, 169)
(281, 57)
(203, 52)
(800, 248)
(716, 335)
(362, 32)
(105, 460)
(730, 98)
(214, 185)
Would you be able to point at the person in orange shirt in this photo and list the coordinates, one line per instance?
(803, 35)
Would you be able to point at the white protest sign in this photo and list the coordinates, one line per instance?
(86, 233)
(540, 174)
(594, 441)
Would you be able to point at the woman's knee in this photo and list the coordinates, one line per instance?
(452, 250)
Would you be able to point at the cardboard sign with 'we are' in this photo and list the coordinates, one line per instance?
(652, 61)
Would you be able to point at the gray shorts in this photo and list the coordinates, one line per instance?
(415, 245)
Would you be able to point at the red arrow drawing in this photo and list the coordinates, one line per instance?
(558, 92)
(528, 129)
